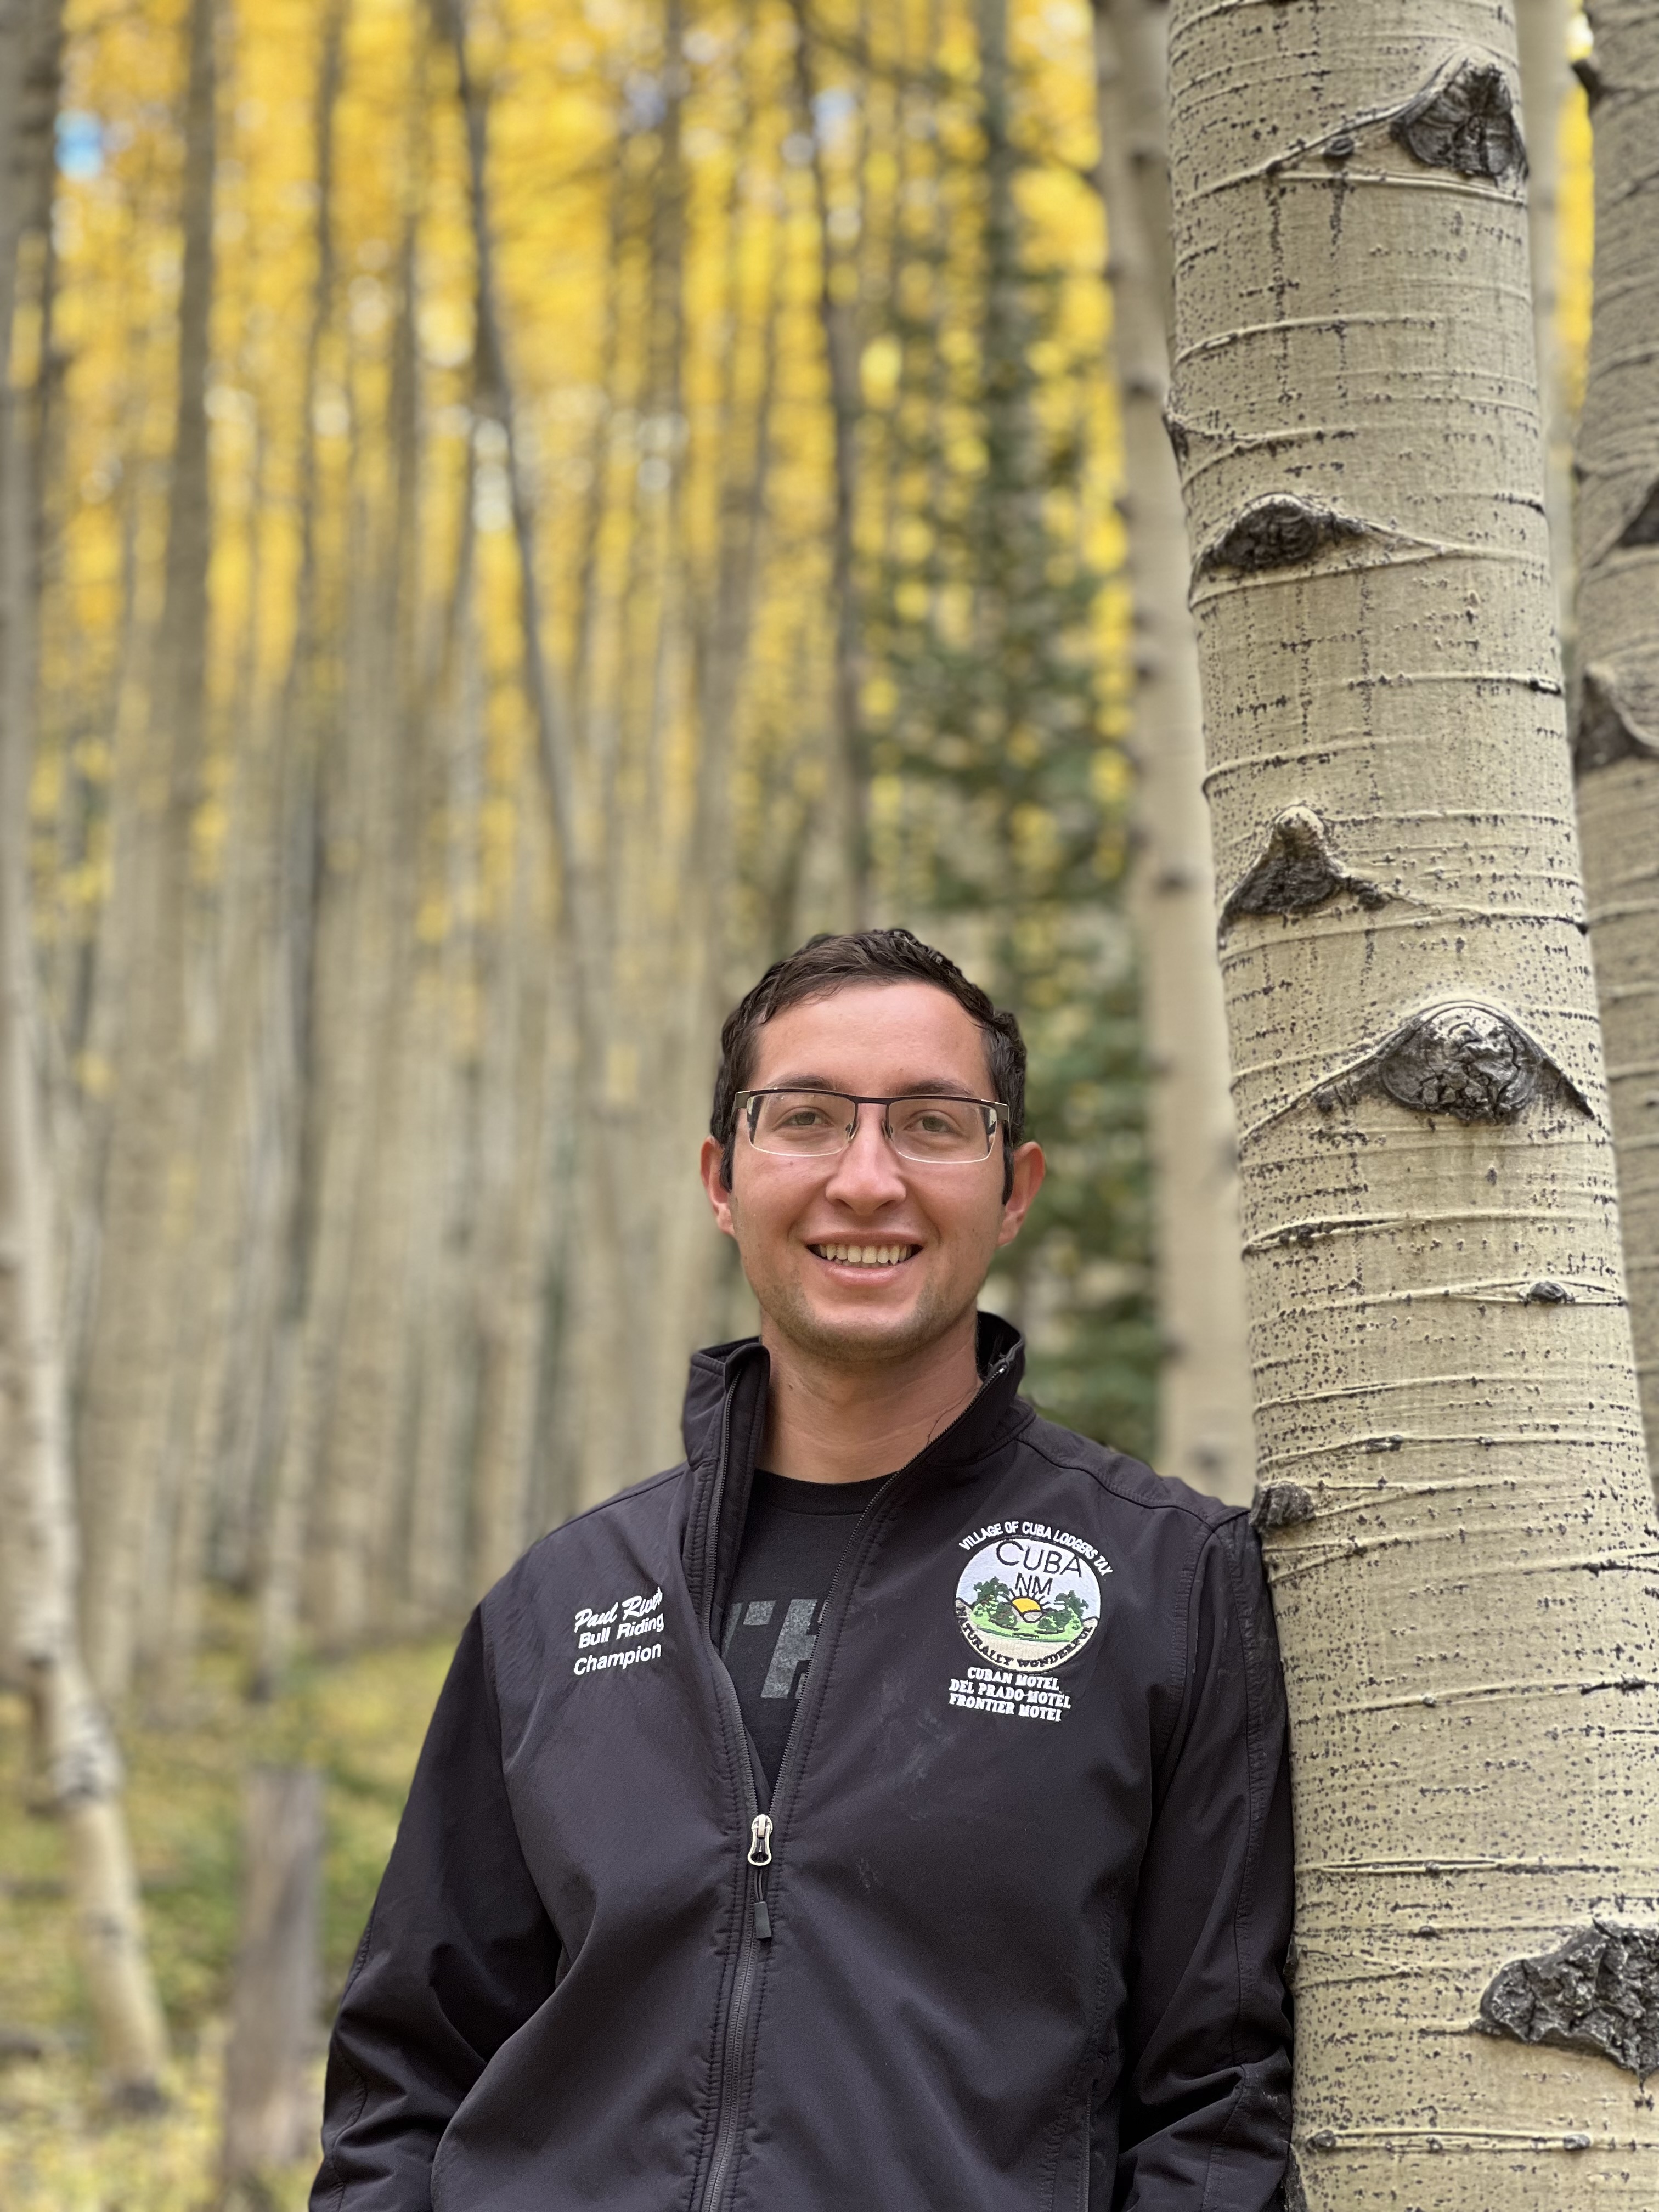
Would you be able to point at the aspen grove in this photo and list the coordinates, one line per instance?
(514, 513)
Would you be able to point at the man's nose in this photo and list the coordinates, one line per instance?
(868, 1175)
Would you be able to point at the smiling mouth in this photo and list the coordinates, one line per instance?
(866, 1256)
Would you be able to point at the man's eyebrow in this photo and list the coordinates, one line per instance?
(946, 1086)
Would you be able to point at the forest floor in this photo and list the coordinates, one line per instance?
(361, 1721)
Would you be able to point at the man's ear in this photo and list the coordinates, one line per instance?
(712, 1165)
(1028, 1169)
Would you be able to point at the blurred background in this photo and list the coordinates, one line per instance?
(519, 513)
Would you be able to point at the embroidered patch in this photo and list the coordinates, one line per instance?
(621, 1624)
(1029, 1598)
(998, 1690)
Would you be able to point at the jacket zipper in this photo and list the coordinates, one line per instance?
(754, 1929)
(760, 1857)
(730, 2103)
(754, 1926)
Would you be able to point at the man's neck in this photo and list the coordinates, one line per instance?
(828, 1422)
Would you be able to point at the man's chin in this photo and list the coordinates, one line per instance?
(859, 1337)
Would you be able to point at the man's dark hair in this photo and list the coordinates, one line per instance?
(825, 964)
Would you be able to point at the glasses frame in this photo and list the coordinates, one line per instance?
(747, 1102)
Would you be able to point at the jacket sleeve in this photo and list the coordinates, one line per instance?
(1205, 2108)
(458, 1954)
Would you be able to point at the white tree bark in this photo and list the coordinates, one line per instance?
(1542, 27)
(838, 292)
(270, 2115)
(42, 1548)
(515, 1222)
(300, 1425)
(123, 1434)
(1204, 1388)
(1453, 1494)
(1616, 740)
(364, 1454)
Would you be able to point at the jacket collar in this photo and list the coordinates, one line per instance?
(725, 1420)
(717, 1372)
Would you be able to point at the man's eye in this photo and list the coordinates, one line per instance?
(804, 1117)
(934, 1121)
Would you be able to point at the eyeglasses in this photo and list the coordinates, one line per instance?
(815, 1125)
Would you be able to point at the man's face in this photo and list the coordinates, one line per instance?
(794, 1218)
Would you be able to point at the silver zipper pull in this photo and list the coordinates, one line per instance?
(760, 1857)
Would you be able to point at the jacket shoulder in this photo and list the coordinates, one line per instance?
(644, 1504)
(1131, 1479)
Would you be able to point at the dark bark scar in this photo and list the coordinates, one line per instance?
(1297, 872)
(1643, 528)
(1278, 530)
(1280, 1505)
(1611, 726)
(1465, 1058)
(1465, 120)
(1599, 1992)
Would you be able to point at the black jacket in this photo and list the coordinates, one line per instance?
(1014, 1939)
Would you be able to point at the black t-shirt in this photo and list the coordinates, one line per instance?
(792, 1539)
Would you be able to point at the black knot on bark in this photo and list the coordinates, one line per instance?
(1548, 1293)
(1611, 725)
(1278, 530)
(1598, 1993)
(1280, 1505)
(1298, 872)
(1465, 122)
(1472, 1061)
(1643, 528)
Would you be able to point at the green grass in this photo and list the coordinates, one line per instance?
(361, 1721)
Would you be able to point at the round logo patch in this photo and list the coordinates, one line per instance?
(1028, 1601)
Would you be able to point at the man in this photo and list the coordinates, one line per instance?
(886, 1808)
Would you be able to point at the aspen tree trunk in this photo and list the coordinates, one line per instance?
(351, 993)
(614, 1302)
(270, 2102)
(124, 1427)
(301, 1427)
(1204, 1381)
(1616, 738)
(724, 630)
(84, 1771)
(366, 1431)
(1543, 27)
(654, 950)
(838, 287)
(30, 55)
(435, 1573)
(516, 1224)
(232, 1235)
(1457, 1522)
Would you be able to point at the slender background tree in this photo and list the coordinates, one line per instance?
(1204, 1403)
(1616, 724)
(76, 1769)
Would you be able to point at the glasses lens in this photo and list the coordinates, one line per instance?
(939, 1130)
(802, 1123)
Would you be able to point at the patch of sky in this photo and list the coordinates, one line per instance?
(79, 144)
(833, 109)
